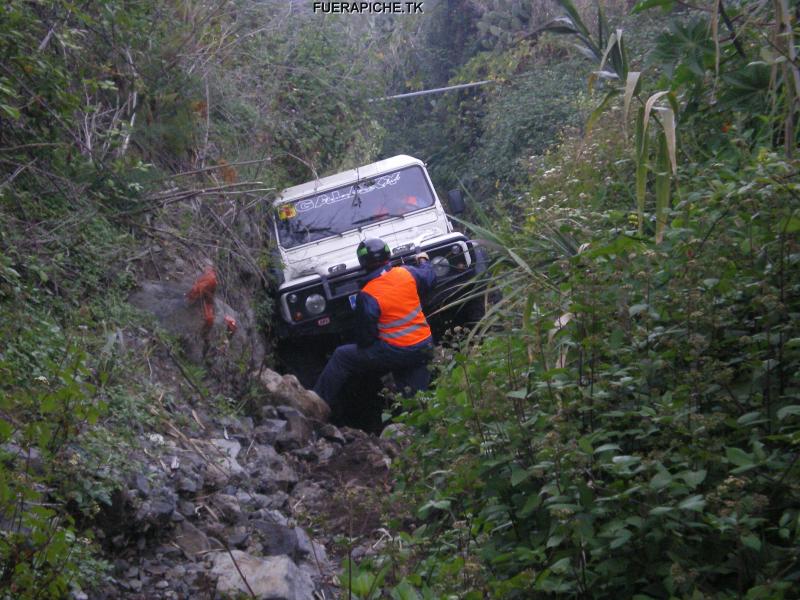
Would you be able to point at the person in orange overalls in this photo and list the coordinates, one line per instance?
(392, 334)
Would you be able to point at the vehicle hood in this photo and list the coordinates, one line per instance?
(316, 258)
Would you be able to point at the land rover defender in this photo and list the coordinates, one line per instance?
(318, 226)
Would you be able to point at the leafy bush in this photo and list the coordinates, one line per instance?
(632, 431)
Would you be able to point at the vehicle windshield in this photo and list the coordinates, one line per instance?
(369, 201)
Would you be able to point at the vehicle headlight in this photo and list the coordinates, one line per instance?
(315, 304)
(441, 266)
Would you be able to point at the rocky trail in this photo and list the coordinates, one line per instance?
(224, 505)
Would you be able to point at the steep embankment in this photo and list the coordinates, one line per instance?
(137, 144)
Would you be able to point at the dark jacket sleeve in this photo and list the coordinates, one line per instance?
(424, 275)
(367, 313)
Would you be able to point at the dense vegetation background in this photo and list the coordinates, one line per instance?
(624, 423)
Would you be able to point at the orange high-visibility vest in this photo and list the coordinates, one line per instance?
(401, 322)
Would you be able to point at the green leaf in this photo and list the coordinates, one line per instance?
(631, 89)
(738, 457)
(405, 591)
(531, 504)
(10, 111)
(433, 505)
(600, 109)
(661, 510)
(647, 4)
(696, 503)
(518, 475)
(622, 538)
(752, 541)
(6, 429)
(606, 448)
(789, 225)
(662, 186)
(693, 478)
(660, 480)
(792, 410)
(562, 565)
(641, 167)
(751, 418)
(361, 584)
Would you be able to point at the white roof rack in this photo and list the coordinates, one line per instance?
(340, 179)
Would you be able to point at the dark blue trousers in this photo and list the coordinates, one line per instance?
(409, 366)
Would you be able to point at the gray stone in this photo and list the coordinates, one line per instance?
(269, 412)
(275, 516)
(186, 508)
(187, 485)
(276, 539)
(298, 432)
(142, 485)
(28, 456)
(277, 500)
(332, 433)
(270, 470)
(269, 430)
(249, 499)
(168, 302)
(222, 465)
(238, 537)
(159, 508)
(237, 426)
(325, 451)
(271, 578)
(309, 493)
(304, 547)
(227, 507)
(191, 540)
(306, 453)
(154, 569)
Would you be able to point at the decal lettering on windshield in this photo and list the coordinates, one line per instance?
(345, 193)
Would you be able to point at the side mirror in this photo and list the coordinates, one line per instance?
(456, 202)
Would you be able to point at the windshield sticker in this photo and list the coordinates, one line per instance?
(286, 211)
(345, 193)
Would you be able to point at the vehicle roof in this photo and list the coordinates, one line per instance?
(339, 179)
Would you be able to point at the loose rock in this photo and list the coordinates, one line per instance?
(286, 389)
(270, 578)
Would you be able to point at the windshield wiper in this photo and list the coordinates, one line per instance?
(378, 217)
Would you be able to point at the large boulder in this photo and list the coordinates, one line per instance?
(286, 389)
(270, 578)
(168, 302)
(229, 349)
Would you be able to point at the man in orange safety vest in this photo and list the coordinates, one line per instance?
(392, 334)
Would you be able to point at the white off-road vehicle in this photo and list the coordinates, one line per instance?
(318, 226)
